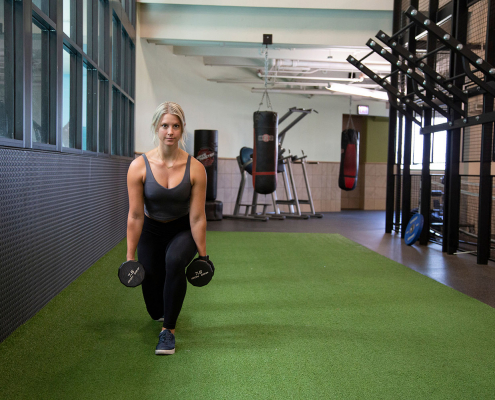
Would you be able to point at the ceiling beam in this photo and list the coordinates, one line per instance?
(247, 24)
(375, 5)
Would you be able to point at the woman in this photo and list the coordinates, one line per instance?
(166, 221)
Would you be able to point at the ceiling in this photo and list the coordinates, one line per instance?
(291, 69)
(300, 65)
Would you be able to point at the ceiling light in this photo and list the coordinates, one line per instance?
(358, 91)
(313, 78)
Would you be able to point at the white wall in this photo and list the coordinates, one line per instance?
(163, 76)
(228, 108)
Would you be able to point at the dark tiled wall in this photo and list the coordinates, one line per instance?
(59, 213)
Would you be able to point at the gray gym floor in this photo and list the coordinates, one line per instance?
(459, 272)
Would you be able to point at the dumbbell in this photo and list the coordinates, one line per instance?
(199, 272)
(131, 273)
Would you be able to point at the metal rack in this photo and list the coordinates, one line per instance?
(417, 90)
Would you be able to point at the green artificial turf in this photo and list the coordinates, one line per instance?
(286, 316)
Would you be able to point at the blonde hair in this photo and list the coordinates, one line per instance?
(169, 108)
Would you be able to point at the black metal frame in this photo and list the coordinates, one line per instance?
(406, 169)
(396, 99)
(485, 192)
(447, 96)
(403, 101)
(425, 193)
(452, 185)
(468, 59)
(416, 79)
(392, 133)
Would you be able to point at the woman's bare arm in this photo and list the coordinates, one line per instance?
(135, 219)
(197, 215)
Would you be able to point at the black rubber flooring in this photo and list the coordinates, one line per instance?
(459, 272)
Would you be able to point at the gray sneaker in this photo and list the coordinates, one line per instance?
(166, 343)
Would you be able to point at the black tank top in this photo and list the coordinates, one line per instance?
(164, 204)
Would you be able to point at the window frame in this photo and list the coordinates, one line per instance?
(9, 73)
(45, 24)
(100, 85)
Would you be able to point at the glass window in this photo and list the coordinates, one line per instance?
(97, 77)
(85, 26)
(124, 151)
(90, 110)
(417, 145)
(132, 68)
(101, 35)
(116, 51)
(95, 113)
(43, 5)
(131, 129)
(123, 62)
(3, 119)
(40, 85)
(438, 146)
(116, 105)
(67, 17)
(132, 15)
(129, 11)
(67, 130)
(85, 108)
(103, 115)
(7, 74)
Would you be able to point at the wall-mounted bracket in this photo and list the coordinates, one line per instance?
(461, 123)
(420, 64)
(468, 56)
(428, 101)
(403, 109)
(396, 99)
(424, 82)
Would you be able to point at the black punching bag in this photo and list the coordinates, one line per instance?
(349, 159)
(265, 152)
(206, 152)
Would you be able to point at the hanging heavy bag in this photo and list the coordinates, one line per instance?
(206, 152)
(265, 152)
(349, 159)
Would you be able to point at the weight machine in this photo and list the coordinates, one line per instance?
(284, 167)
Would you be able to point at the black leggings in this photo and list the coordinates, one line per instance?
(165, 249)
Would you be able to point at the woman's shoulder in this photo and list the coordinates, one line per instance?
(137, 166)
(149, 154)
(197, 164)
(197, 169)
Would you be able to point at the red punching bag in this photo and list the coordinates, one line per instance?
(349, 159)
(265, 152)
